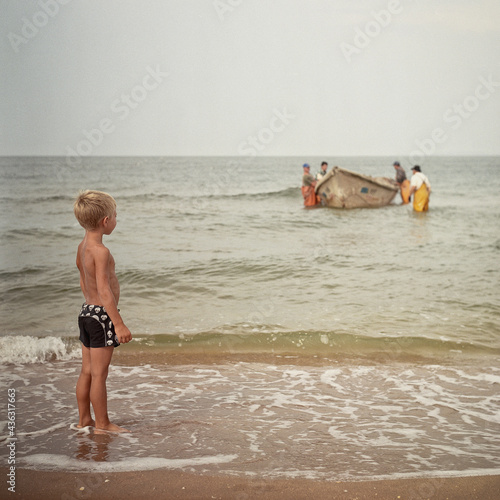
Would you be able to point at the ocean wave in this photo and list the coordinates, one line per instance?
(201, 193)
(23, 349)
(30, 287)
(30, 198)
(158, 280)
(290, 192)
(246, 339)
(23, 272)
(297, 347)
(41, 235)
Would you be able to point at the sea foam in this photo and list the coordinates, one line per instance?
(55, 461)
(22, 349)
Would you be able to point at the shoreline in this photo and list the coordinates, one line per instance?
(177, 484)
(158, 356)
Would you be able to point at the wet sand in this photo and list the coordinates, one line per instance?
(168, 484)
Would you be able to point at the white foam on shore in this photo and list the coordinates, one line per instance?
(39, 432)
(23, 349)
(49, 461)
(362, 422)
(81, 430)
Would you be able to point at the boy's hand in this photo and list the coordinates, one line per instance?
(123, 334)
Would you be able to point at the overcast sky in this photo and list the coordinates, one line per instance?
(245, 77)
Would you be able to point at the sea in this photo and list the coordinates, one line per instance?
(269, 340)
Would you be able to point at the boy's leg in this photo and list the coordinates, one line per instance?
(83, 390)
(100, 358)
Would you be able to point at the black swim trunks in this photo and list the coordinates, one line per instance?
(96, 327)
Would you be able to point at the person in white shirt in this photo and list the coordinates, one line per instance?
(322, 172)
(420, 188)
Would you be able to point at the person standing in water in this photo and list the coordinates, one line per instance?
(308, 187)
(322, 172)
(420, 188)
(403, 183)
(101, 326)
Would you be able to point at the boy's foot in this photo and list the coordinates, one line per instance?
(90, 423)
(112, 428)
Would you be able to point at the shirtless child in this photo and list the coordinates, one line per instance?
(101, 326)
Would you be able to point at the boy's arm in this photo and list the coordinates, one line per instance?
(108, 300)
(78, 265)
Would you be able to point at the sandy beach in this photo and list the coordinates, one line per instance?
(170, 484)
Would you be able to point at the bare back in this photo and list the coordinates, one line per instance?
(95, 263)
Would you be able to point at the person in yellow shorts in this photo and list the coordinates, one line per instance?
(403, 183)
(420, 188)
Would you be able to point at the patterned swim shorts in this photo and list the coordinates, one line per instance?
(96, 327)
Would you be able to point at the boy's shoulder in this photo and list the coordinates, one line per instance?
(93, 248)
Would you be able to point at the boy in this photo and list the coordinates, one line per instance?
(101, 326)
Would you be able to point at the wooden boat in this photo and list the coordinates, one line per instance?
(342, 188)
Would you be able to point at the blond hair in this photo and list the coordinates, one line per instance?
(91, 207)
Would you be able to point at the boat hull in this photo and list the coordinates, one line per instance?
(342, 188)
